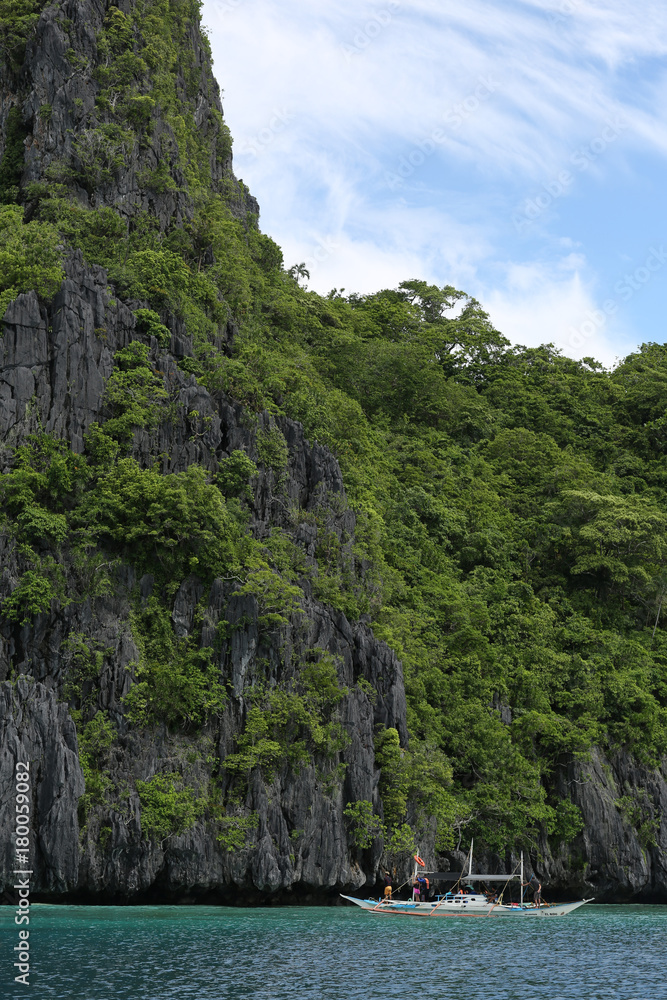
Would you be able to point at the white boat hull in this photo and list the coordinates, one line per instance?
(397, 908)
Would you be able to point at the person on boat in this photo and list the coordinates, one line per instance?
(416, 890)
(535, 884)
(387, 886)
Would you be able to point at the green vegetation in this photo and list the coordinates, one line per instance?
(74, 516)
(511, 539)
(96, 734)
(275, 598)
(33, 596)
(364, 825)
(148, 323)
(635, 808)
(169, 524)
(17, 19)
(235, 475)
(176, 682)
(30, 256)
(235, 831)
(295, 725)
(168, 808)
(96, 738)
(11, 164)
(134, 393)
(510, 502)
(83, 664)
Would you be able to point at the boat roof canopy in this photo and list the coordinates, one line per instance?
(464, 877)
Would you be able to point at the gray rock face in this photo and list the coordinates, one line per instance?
(620, 854)
(36, 729)
(622, 850)
(55, 360)
(59, 73)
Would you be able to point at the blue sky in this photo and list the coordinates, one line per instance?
(515, 150)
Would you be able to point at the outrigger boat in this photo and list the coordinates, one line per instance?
(466, 902)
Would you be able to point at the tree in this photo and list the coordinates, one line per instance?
(621, 541)
(298, 271)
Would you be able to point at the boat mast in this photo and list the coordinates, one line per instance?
(521, 878)
(470, 860)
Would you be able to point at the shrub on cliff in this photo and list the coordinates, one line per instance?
(30, 256)
(17, 19)
(170, 525)
(176, 683)
(167, 806)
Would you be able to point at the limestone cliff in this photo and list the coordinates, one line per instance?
(54, 368)
(284, 833)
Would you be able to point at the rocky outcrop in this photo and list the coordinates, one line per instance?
(621, 853)
(57, 91)
(301, 842)
(55, 360)
(36, 728)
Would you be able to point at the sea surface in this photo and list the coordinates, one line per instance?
(334, 953)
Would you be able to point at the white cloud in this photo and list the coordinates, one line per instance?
(548, 96)
(546, 303)
(324, 98)
(415, 70)
(389, 246)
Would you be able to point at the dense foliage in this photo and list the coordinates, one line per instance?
(17, 19)
(510, 502)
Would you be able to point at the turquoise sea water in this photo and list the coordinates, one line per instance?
(335, 953)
